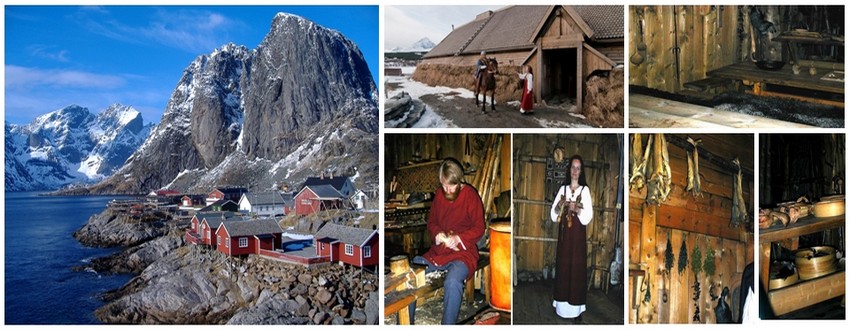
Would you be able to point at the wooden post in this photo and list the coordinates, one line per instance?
(647, 257)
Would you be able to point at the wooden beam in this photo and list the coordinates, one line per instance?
(696, 222)
(650, 118)
(803, 226)
(647, 253)
(706, 114)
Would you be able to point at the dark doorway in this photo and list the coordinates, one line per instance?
(559, 78)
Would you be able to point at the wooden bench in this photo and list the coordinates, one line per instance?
(398, 301)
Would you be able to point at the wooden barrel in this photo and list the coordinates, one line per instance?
(500, 266)
(815, 262)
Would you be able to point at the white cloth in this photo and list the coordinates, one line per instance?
(585, 214)
(748, 316)
(528, 80)
(567, 311)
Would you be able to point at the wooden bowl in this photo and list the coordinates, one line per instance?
(815, 262)
(829, 206)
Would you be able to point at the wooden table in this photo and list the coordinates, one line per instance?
(750, 73)
(803, 293)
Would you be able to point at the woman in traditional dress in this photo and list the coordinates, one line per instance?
(573, 210)
(526, 104)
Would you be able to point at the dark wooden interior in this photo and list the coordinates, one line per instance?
(702, 222)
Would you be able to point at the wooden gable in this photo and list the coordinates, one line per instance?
(562, 28)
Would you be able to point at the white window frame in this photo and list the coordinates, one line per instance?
(349, 250)
(367, 251)
(243, 242)
(218, 240)
(193, 226)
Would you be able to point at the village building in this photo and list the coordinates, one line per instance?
(564, 45)
(221, 206)
(235, 238)
(228, 193)
(203, 223)
(312, 199)
(342, 184)
(263, 204)
(349, 245)
(192, 202)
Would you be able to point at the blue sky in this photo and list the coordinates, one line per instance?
(134, 55)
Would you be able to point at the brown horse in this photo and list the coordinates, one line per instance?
(486, 82)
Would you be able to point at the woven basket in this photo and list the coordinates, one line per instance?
(815, 262)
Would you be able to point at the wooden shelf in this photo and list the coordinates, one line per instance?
(804, 226)
(805, 293)
(800, 295)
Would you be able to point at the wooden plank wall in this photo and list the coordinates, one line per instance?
(704, 44)
(400, 150)
(532, 218)
(702, 222)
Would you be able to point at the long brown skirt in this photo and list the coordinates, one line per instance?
(571, 263)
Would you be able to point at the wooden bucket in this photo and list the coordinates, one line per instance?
(500, 266)
(815, 262)
(778, 282)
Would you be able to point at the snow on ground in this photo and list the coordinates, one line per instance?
(417, 90)
(559, 124)
(297, 236)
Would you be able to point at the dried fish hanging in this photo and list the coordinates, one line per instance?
(739, 205)
(693, 168)
(638, 178)
(658, 185)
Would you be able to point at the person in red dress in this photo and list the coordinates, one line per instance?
(456, 222)
(573, 211)
(526, 104)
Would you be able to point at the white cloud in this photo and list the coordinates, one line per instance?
(24, 77)
(48, 52)
(194, 31)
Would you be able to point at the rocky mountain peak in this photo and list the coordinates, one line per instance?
(303, 99)
(71, 145)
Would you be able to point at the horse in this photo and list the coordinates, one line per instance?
(486, 82)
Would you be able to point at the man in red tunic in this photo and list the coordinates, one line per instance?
(456, 222)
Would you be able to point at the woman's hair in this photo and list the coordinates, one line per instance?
(531, 71)
(581, 179)
(451, 171)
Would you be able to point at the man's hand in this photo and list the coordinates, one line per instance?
(453, 242)
(440, 238)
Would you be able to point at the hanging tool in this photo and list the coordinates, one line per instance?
(676, 49)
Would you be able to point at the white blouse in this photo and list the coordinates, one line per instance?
(528, 80)
(585, 214)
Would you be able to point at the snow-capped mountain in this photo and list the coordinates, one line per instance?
(302, 102)
(423, 45)
(71, 145)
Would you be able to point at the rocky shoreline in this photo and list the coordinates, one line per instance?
(189, 284)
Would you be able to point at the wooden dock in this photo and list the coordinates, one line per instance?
(652, 112)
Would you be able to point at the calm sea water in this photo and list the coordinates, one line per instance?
(41, 288)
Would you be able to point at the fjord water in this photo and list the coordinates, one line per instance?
(40, 286)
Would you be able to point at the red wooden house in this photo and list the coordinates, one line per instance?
(354, 246)
(236, 238)
(230, 193)
(210, 222)
(312, 199)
